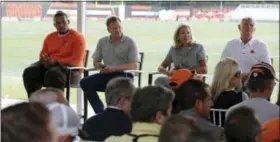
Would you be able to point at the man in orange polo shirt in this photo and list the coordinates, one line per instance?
(61, 49)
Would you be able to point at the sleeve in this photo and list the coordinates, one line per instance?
(168, 57)
(201, 54)
(78, 52)
(45, 47)
(265, 56)
(97, 55)
(225, 52)
(133, 54)
(244, 96)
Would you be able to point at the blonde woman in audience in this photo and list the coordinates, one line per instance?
(226, 86)
(184, 54)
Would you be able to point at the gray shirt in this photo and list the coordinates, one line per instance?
(264, 109)
(121, 53)
(186, 57)
(210, 132)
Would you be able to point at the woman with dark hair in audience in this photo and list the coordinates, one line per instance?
(184, 54)
(226, 87)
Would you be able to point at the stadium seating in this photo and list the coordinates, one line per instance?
(259, 12)
(210, 14)
(26, 11)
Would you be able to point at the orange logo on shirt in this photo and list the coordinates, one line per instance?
(65, 43)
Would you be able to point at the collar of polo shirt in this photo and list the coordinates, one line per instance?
(250, 41)
(122, 39)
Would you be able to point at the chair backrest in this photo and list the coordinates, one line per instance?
(141, 61)
(86, 58)
(217, 116)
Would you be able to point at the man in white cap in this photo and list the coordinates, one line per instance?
(66, 121)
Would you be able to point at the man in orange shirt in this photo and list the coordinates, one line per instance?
(61, 49)
(271, 131)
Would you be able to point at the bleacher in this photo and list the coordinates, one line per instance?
(215, 14)
(260, 12)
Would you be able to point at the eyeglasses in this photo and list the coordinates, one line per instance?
(238, 74)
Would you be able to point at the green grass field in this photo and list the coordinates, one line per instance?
(22, 42)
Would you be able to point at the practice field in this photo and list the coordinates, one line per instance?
(22, 42)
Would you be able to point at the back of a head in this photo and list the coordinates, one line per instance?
(65, 119)
(225, 70)
(261, 78)
(188, 93)
(118, 88)
(48, 95)
(26, 122)
(242, 125)
(178, 128)
(150, 100)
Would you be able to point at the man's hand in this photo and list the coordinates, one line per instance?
(47, 61)
(170, 73)
(43, 59)
(108, 69)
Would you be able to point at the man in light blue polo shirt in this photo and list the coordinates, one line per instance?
(118, 53)
(260, 83)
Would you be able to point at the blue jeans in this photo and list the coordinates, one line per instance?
(98, 82)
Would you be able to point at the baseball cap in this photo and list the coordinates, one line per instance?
(262, 71)
(65, 118)
(179, 77)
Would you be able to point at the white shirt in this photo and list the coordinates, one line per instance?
(264, 110)
(247, 54)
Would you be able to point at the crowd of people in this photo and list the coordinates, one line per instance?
(177, 108)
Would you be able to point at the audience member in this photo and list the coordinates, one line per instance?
(226, 87)
(271, 132)
(198, 95)
(150, 106)
(48, 95)
(115, 120)
(119, 53)
(66, 121)
(278, 97)
(27, 122)
(261, 83)
(184, 54)
(175, 81)
(178, 128)
(247, 50)
(63, 48)
(242, 125)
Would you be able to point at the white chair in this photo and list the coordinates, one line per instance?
(217, 113)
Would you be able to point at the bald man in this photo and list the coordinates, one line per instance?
(247, 50)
